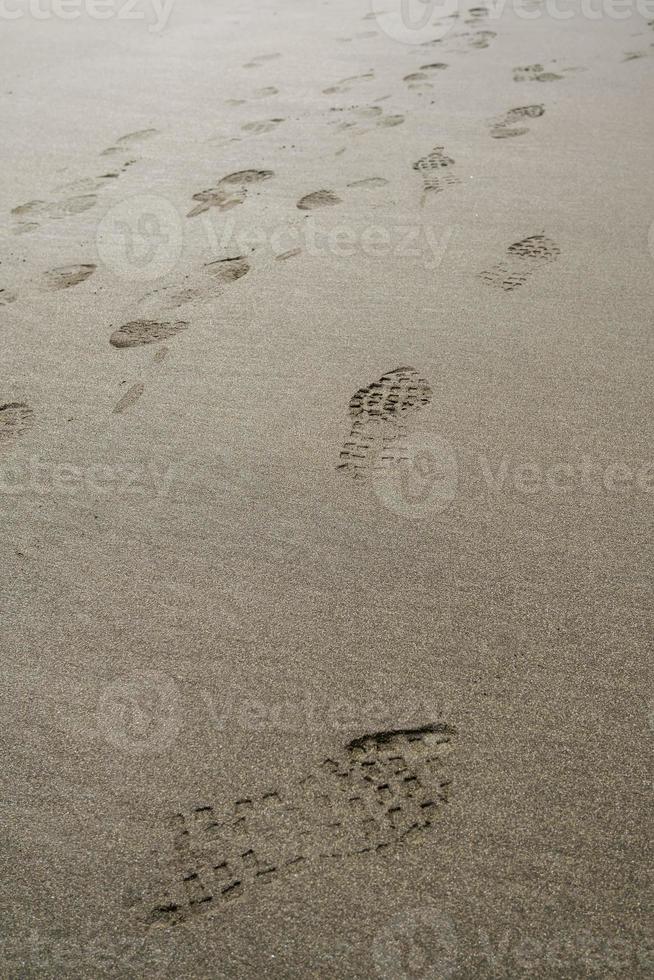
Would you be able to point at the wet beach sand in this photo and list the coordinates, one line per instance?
(326, 490)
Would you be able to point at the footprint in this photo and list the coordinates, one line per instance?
(369, 182)
(377, 792)
(168, 298)
(29, 208)
(15, 418)
(434, 66)
(81, 185)
(53, 210)
(68, 275)
(475, 14)
(114, 174)
(25, 227)
(138, 332)
(317, 199)
(262, 59)
(354, 115)
(129, 398)
(466, 40)
(215, 197)
(346, 84)
(534, 73)
(509, 124)
(523, 259)
(369, 112)
(125, 142)
(264, 93)
(161, 355)
(436, 171)
(482, 39)
(138, 136)
(373, 113)
(78, 195)
(378, 431)
(263, 126)
(230, 191)
(25, 213)
(71, 205)
(7, 296)
(243, 178)
(228, 270)
(416, 76)
(421, 78)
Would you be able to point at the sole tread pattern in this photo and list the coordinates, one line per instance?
(378, 792)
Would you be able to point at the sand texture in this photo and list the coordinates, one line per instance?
(326, 491)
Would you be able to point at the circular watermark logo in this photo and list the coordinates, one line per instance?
(420, 943)
(415, 21)
(139, 713)
(140, 238)
(422, 478)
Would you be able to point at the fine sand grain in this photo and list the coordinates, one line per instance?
(326, 491)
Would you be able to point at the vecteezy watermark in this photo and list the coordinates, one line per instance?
(578, 952)
(143, 712)
(140, 238)
(140, 713)
(155, 13)
(419, 943)
(420, 476)
(415, 21)
(567, 9)
(99, 953)
(424, 944)
(41, 477)
(421, 242)
(312, 712)
(587, 475)
(422, 21)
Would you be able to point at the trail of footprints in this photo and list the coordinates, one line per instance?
(371, 406)
(380, 791)
(385, 789)
(143, 331)
(378, 428)
(79, 195)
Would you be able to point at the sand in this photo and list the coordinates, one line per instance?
(325, 454)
